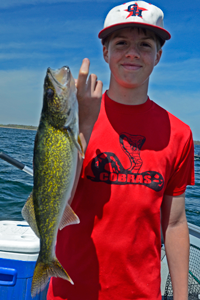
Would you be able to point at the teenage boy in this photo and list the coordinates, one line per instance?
(138, 162)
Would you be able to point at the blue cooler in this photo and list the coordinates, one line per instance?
(19, 249)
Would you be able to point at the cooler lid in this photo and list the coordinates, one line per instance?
(17, 236)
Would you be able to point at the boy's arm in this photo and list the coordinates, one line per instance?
(176, 237)
(89, 94)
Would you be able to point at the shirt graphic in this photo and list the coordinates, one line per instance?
(106, 166)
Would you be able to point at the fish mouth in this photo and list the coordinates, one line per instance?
(63, 85)
(59, 76)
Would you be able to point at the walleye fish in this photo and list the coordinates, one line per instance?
(55, 159)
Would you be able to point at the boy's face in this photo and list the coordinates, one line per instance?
(131, 55)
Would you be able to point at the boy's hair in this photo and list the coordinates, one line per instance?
(159, 42)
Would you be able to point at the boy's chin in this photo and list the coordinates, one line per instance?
(132, 84)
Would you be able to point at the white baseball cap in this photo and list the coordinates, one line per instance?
(137, 14)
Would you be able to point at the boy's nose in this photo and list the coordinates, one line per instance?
(133, 51)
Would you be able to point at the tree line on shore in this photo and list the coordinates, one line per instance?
(16, 126)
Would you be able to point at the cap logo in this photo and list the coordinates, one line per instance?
(135, 11)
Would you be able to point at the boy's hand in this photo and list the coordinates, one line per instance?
(89, 93)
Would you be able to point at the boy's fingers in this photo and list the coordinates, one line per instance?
(99, 88)
(83, 74)
(92, 81)
(95, 86)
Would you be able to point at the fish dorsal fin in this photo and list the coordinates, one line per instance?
(68, 218)
(28, 213)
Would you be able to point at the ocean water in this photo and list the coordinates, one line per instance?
(16, 185)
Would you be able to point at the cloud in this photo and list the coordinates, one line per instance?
(28, 26)
(178, 74)
(21, 96)
(26, 55)
(39, 45)
(36, 50)
(12, 3)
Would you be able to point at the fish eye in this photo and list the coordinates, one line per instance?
(50, 93)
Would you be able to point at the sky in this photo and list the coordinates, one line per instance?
(37, 34)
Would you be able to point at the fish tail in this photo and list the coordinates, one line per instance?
(42, 273)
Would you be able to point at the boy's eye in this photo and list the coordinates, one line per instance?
(121, 43)
(146, 44)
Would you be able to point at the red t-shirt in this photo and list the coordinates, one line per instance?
(136, 154)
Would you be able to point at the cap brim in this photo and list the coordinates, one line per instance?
(162, 33)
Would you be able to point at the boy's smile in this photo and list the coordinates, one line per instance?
(131, 55)
(131, 66)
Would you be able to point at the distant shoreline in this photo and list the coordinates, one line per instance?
(30, 127)
(23, 127)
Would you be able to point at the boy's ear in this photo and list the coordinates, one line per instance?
(105, 53)
(158, 57)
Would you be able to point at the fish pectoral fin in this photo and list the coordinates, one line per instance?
(78, 143)
(28, 213)
(68, 218)
(81, 146)
(42, 273)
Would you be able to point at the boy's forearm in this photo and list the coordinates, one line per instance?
(86, 131)
(177, 251)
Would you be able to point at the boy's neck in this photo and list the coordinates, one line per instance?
(128, 96)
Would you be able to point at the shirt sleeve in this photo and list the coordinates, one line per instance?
(183, 174)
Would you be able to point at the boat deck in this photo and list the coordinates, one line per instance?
(194, 232)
